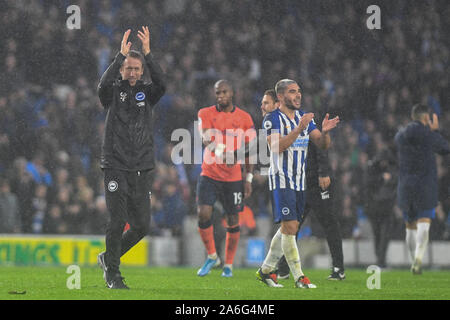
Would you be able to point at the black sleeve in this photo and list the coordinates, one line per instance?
(438, 143)
(323, 164)
(105, 86)
(158, 86)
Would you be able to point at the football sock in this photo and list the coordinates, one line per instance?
(411, 235)
(231, 243)
(422, 239)
(206, 231)
(274, 254)
(290, 250)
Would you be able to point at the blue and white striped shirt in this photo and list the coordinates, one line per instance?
(288, 168)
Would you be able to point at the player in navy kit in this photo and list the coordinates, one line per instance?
(417, 180)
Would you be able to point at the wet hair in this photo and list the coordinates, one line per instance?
(271, 93)
(281, 85)
(136, 55)
(418, 110)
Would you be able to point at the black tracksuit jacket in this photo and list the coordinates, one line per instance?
(128, 138)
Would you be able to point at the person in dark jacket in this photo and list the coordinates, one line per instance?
(127, 157)
(417, 186)
(380, 200)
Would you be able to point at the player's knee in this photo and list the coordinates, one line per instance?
(204, 224)
(411, 225)
(204, 214)
(232, 219)
(289, 227)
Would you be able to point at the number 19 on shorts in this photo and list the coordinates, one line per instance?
(237, 198)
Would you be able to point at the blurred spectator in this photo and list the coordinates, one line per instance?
(85, 201)
(381, 198)
(23, 185)
(259, 201)
(37, 170)
(99, 216)
(50, 112)
(173, 210)
(54, 221)
(157, 219)
(39, 208)
(9, 209)
(349, 220)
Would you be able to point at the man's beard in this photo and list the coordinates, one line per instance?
(290, 105)
(223, 106)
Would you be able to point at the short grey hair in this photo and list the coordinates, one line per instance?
(281, 85)
(223, 82)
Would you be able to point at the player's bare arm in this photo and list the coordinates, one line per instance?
(276, 142)
(322, 139)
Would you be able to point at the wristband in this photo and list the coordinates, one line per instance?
(249, 177)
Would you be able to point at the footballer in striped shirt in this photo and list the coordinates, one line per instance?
(288, 131)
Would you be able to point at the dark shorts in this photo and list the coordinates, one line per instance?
(414, 215)
(287, 204)
(230, 194)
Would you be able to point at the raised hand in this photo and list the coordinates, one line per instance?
(144, 36)
(434, 122)
(125, 45)
(324, 182)
(329, 124)
(305, 120)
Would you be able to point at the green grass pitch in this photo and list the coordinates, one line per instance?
(164, 283)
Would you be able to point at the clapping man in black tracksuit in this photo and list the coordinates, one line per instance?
(127, 150)
(319, 200)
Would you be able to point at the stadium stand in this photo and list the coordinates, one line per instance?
(51, 121)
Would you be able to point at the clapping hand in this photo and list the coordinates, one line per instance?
(434, 122)
(329, 124)
(144, 36)
(305, 120)
(125, 45)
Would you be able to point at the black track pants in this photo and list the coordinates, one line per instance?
(321, 204)
(128, 200)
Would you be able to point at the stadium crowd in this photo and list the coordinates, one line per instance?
(51, 121)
